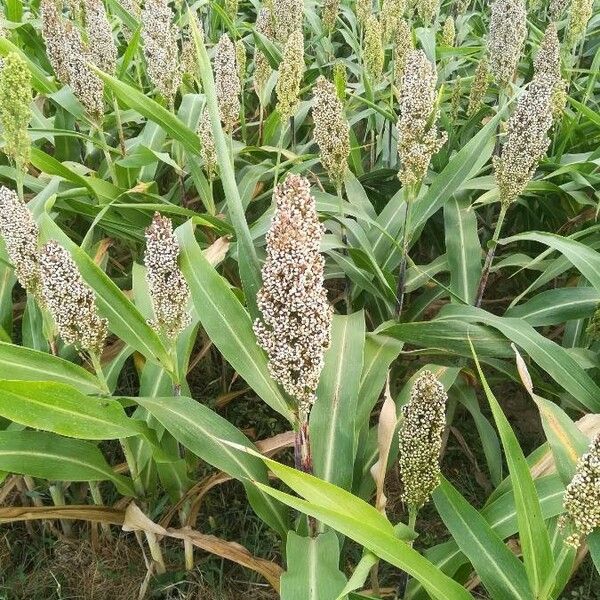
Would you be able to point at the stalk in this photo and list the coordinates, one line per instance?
(58, 498)
(98, 501)
(303, 455)
(410, 197)
(119, 125)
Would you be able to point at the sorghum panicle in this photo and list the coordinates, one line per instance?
(455, 99)
(418, 138)
(426, 9)
(403, 45)
(448, 32)
(373, 53)
(133, 8)
(240, 61)
(508, 29)
(582, 497)
(15, 109)
(71, 301)
(207, 147)
(53, 34)
(189, 58)
(227, 83)
(291, 71)
(169, 290)
(262, 68)
(20, 233)
(294, 327)
(391, 13)
(481, 82)
(329, 14)
(102, 49)
(340, 79)
(579, 16)
(331, 130)
(526, 140)
(159, 36)
(231, 8)
(547, 64)
(420, 439)
(557, 8)
(364, 9)
(288, 16)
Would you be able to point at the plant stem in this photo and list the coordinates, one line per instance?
(410, 196)
(119, 125)
(278, 162)
(58, 498)
(95, 360)
(344, 251)
(109, 162)
(98, 501)
(485, 273)
(412, 519)
(303, 456)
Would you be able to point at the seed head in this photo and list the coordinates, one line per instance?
(240, 60)
(340, 79)
(391, 13)
(86, 85)
(582, 497)
(189, 58)
(331, 130)
(403, 45)
(580, 14)
(557, 8)
(420, 437)
(288, 16)
(20, 234)
(418, 138)
(479, 87)
(461, 6)
(262, 68)
(508, 29)
(426, 9)
(53, 34)
(132, 7)
(364, 9)
(159, 36)
(291, 71)
(526, 139)
(448, 32)
(71, 301)
(329, 14)
(102, 49)
(15, 109)
(373, 53)
(547, 64)
(231, 8)
(295, 323)
(168, 288)
(227, 83)
(207, 148)
(455, 100)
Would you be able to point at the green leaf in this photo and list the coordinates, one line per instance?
(203, 432)
(533, 535)
(17, 362)
(551, 357)
(332, 418)
(500, 570)
(361, 522)
(124, 319)
(313, 570)
(226, 322)
(62, 409)
(462, 248)
(49, 456)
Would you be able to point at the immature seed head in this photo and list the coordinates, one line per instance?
(420, 437)
(227, 83)
(508, 29)
(159, 36)
(53, 34)
(557, 8)
(207, 147)
(455, 100)
(262, 68)
(374, 53)
(169, 290)
(102, 49)
(582, 497)
(448, 32)
(580, 14)
(15, 109)
(403, 45)
(418, 138)
(391, 13)
(331, 130)
(426, 9)
(291, 71)
(288, 16)
(240, 60)
(295, 323)
(364, 9)
(526, 140)
(231, 8)
(340, 79)
(70, 301)
(189, 58)
(329, 14)
(481, 82)
(20, 234)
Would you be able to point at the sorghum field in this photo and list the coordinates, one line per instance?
(300, 300)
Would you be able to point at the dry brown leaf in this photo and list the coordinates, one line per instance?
(99, 514)
(385, 435)
(216, 252)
